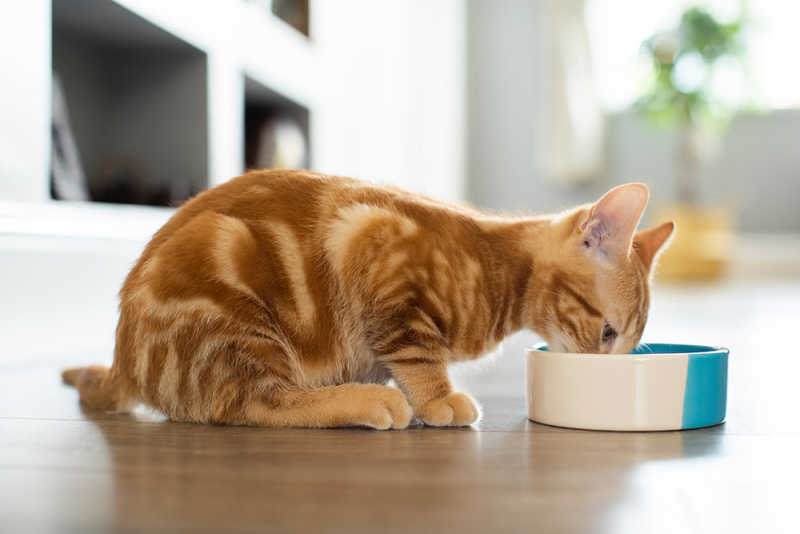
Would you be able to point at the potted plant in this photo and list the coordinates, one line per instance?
(679, 96)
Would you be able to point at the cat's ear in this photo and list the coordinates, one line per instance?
(651, 242)
(607, 233)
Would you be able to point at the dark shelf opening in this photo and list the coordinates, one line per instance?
(276, 129)
(136, 98)
(294, 13)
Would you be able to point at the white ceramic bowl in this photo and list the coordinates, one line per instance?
(659, 387)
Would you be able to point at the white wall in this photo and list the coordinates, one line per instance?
(391, 92)
(507, 57)
(60, 294)
(25, 101)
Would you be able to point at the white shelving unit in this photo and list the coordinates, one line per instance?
(379, 87)
(167, 81)
(381, 83)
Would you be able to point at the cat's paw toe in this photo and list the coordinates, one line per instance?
(456, 409)
(388, 409)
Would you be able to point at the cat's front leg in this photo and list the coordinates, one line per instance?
(429, 391)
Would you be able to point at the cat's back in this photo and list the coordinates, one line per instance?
(292, 196)
(297, 219)
(307, 202)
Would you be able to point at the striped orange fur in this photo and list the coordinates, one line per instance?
(289, 298)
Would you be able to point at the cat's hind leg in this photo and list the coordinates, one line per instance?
(256, 381)
(352, 404)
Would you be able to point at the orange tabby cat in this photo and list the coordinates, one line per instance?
(286, 298)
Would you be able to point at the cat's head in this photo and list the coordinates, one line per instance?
(597, 280)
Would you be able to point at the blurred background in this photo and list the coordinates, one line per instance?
(115, 111)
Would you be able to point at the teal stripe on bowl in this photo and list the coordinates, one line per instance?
(706, 395)
(672, 348)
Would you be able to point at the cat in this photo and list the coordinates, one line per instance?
(290, 298)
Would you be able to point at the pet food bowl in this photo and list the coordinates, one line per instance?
(659, 386)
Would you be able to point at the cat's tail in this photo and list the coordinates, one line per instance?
(99, 387)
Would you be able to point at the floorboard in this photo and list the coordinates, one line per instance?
(64, 468)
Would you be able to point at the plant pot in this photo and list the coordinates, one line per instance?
(702, 245)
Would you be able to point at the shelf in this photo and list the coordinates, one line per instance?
(155, 90)
(276, 55)
(243, 35)
(137, 100)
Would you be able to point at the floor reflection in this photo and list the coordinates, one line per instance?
(597, 469)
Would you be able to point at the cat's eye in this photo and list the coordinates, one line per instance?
(609, 334)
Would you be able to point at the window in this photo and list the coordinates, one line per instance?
(765, 76)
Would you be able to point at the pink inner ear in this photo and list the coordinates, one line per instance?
(596, 229)
(614, 218)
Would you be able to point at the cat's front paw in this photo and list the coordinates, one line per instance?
(456, 409)
(382, 407)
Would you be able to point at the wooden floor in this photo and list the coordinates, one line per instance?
(63, 469)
